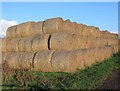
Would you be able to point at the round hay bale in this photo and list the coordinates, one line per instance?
(26, 60)
(63, 61)
(42, 61)
(25, 29)
(11, 32)
(62, 41)
(53, 25)
(41, 42)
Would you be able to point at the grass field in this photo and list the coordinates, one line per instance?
(89, 78)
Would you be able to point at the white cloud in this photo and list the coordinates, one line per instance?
(116, 32)
(4, 24)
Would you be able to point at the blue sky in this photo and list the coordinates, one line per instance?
(101, 14)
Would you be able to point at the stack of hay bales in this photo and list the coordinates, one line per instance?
(55, 45)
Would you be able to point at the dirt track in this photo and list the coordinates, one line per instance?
(112, 82)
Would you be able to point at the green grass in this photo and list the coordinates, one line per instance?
(89, 78)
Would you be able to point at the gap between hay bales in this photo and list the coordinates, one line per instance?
(89, 78)
(49, 42)
(33, 60)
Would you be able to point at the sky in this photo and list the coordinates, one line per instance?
(100, 14)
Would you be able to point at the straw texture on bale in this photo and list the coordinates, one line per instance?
(108, 52)
(11, 59)
(92, 55)
(97, 41)
(105, 34)
(103, 42)
(3, 57)
(102, 53)
(84, 42)
(80, 29)
(6, 44)
(68, 26)
(86, 60)
(25, 44)
(91, 42)
(25, 29)
(97, 54)
(21, 45)
(113, 36)
(53, 25)
(11, 32)
(114, 48)
(62, 41)
(1, 43)
(79, 59)
(40, 42)
(37, 27)
(80, 42)
(14, 44)
(25, 60)
(42, 61)
(63, 61)
(93, 31)
(74, 27)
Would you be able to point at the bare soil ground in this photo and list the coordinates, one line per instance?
(112, 82)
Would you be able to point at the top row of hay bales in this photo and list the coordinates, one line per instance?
(52, 25)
